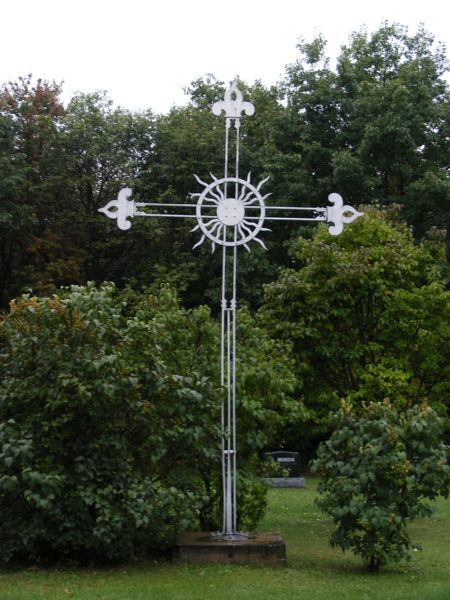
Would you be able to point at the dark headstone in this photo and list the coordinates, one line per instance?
(289, 461)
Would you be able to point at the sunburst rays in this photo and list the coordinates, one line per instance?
(237, 228)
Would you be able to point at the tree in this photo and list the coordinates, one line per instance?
(15, 215)
(30, 117)
(377, 470)
(376, 125)
(105, 148)
(393, 98)
(360, 309)
(58, 167)
(427, 204)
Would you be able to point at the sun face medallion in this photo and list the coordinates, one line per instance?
(230, 212)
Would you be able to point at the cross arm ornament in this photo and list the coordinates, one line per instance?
(123, 209)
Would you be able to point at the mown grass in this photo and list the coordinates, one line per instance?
(314, 570)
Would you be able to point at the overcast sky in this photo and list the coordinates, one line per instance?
(144, 52)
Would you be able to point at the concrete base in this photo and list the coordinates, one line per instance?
(286, 482)
(202, 547)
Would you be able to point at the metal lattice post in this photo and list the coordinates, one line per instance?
(230, 212)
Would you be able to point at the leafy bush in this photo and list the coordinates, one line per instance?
(88, 424)
(378, 469)
(110, 425)
(359, 307)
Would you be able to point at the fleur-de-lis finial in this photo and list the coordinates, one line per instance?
(121, 209)
(340, 214)
(232, 105)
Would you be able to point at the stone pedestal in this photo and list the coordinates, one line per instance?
(202, 547)
(286, 482)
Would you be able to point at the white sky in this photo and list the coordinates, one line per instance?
(144, 52)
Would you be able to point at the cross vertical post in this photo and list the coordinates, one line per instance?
(229, 216)
(230, 212)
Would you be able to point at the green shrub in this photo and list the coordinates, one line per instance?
(378, 469)
(89, 422)
(110, 424)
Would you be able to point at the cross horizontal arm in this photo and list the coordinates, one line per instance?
(319, 218)
(162, 205)
(138, 213)
(166, 206)
(309, 208)
(319, 213)
(123, 209)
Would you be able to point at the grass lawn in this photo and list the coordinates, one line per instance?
(314, 569)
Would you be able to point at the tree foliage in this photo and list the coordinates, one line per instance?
(374, 128)
(110, 423)
(380, 111)
(364, 316)
(30, 114)
(366, 312)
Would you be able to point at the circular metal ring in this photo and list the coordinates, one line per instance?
(230, 212)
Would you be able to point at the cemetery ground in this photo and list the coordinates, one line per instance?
(314, 570)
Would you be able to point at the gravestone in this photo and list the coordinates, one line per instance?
(290, 462)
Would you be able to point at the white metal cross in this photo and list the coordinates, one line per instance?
(230, 212)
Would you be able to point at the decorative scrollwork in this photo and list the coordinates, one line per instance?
(230, 220)
(233, 105)
(123, 209)
(340, 214)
